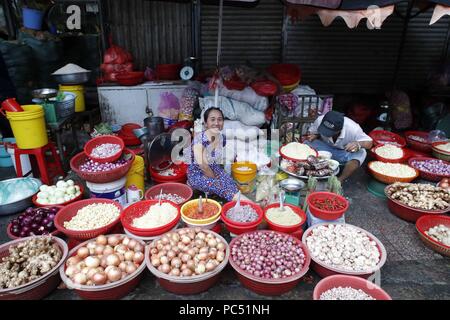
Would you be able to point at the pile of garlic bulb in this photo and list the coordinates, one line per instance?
(440, 233)
(62, 192)
(343, 247)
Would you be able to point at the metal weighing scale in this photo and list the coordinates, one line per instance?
(292, 187)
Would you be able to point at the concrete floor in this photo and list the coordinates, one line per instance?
(412, 271)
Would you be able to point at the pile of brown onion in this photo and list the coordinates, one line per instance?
(187, 252)
(105, 260)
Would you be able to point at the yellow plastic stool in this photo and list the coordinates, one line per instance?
(77, 90)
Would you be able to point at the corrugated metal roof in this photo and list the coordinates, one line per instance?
(153, 31)
(252, 34)
(338, 59)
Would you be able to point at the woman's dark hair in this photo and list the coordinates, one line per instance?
(207, 112)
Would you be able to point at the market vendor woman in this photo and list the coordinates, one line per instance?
(341, 136)
(205, 172)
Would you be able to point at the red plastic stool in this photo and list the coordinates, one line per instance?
(39, 153)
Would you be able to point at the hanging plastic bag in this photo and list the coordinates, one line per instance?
(437, 136)
(169, 106)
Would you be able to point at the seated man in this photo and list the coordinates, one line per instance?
(341, 136)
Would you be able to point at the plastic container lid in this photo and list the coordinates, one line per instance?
(107, 187)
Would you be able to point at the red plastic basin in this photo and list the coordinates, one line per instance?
(325, 214)
(69, 211)
(349, 281)
(426, 174)
(408, 213)
(111, 291)
(38, 288)
(188, 285)
(93, 143)
(417, 145)
(270, 287)
(383, 137)
(236, 227)
(286, 229)
(424, 224)
(138, 209)
(324, 270)
(179, 189)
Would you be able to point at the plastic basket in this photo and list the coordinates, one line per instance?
(101, 177)
(388, 179)
(387, 137)
(66, 213)
(110, 291)
(179, 189)
(65, 108)
(324, 270)
(137, 210)
(38, 288)
(426, 174)
(417, 145)
(270, 287)
(349, 281)
(424, 224)
(93, 143)
(408, 213)
(324, 214)
(286, 229)
(241, 227)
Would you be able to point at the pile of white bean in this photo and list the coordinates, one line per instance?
(93, 216)
(346, 293)
(344, 247)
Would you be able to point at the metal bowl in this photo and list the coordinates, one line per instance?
(72, 78)
(44, 93)
(18, 206)
(292, 184)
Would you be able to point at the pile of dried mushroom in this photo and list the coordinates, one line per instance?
(420, 196)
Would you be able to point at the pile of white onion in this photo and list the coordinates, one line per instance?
(105, 260)
(187, 252)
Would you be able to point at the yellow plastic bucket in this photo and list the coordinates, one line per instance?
(78, 91)
(244, 173)
(29, 127)
(136, 174)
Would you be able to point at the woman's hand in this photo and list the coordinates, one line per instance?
(208, 172)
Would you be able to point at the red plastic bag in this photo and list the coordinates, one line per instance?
(115, 54)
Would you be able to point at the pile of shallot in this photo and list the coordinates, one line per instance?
(187, 252)
(104, 260)
(268, 254)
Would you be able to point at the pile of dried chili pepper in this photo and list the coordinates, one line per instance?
(329, 204)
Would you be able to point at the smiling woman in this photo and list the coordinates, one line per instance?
(205, 173)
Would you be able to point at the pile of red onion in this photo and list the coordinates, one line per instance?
(268, 255)
(93, 166)
(435, 166)
(34, 221)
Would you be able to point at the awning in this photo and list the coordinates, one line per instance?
(351, 11)
(375, 15)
